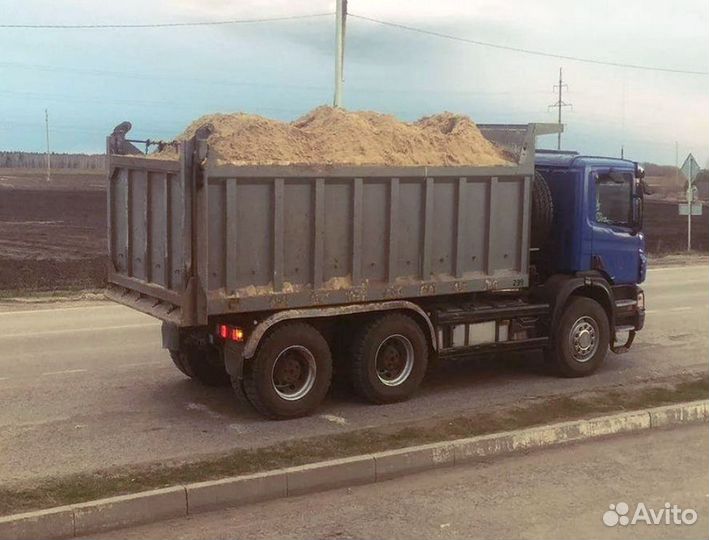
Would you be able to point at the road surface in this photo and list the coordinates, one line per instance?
(87, 386)
(559, 492)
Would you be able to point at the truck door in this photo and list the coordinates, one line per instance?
(615, 242)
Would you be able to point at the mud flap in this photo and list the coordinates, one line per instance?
(233, 356)
(170, 336)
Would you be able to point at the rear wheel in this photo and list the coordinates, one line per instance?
(290, 373)
(389, 359)
(201, 363)
(582, 338)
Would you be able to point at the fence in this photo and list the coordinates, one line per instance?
(36, 160)
(666, 231)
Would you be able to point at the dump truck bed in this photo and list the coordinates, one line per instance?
(191, 239)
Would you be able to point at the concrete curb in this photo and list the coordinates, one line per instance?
(150, 506)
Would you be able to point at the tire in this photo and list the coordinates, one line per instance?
(180, 364)
(581, 340)
(290, 373)
(237, 386)
(389, 359)
(201, 364)
(542, 211)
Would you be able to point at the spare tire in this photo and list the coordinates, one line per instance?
(542, 211)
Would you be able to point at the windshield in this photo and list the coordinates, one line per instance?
(614, 198)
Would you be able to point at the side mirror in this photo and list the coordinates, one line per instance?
(637, 213)
(639, 172)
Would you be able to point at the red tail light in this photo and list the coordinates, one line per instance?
(231, 333)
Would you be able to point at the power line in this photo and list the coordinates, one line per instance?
(164, 25)
(526, 51)
(222, 82)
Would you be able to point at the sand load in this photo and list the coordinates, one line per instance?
(330, 136)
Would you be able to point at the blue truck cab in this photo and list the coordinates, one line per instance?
(596, 236)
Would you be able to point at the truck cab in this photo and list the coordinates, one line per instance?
(596, 231)
(597, 221)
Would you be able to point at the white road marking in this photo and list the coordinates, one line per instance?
(677, 309)
(4, 378)
(64, 372)
(679, 267)
(55, 310)
(141, 364)
(78, 330)
(334, 419)
(203, 408)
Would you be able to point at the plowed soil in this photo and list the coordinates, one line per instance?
(334, 136)
(52, 238)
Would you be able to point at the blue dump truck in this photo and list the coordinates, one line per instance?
(271, 278)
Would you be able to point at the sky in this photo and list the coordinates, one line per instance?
(161, 79)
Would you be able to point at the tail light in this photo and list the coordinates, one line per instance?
(231, 333)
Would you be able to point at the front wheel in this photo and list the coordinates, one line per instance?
(290, 373)
(581, 339)
(389, 358)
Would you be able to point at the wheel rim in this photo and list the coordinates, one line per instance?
(294, 373)
(583, 339)
(394, 360)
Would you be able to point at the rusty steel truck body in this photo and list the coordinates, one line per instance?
(267, 276)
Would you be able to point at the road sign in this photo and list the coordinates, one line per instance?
(684, 209)
(690, 168)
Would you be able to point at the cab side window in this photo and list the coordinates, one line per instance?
(614, 199)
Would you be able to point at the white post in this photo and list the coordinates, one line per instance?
(339, 52)
(561, 83)
(689, 216)
(49, 156)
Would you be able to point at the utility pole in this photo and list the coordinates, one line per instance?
(49, 155)
(340, 18)
(560, 104)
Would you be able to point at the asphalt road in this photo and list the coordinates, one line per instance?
(559, 492)
(87, 386)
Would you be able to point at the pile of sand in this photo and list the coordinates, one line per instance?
(334, 136)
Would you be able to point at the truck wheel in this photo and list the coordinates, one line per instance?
(582, 338)
(204, 365)
(389, 359)
(290, 373)
(237, 386)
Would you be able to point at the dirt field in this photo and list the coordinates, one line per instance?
(52, 236)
